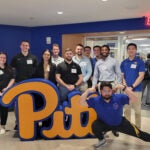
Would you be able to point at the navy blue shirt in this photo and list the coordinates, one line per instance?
(131, 69)
(110, 113)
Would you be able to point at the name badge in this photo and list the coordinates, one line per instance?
(1, 72)
(73, 70)
(29, 62)
(133, 66)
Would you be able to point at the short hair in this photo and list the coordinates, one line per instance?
(148, 55)
(132, 44)
(97, 46)
(68, 50)
(26, 41)
(87, 47)
(55, 44)
(106, 47)
(80, 45)
(105, 84)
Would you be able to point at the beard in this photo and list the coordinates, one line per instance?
(104, 55)
(69, 59)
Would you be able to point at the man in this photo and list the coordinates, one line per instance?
(109, 108)
(68, 75)
(24, 63)
(85, 65)
(133, 69)
(97, 55)
(146, 82)
(87, 53)
(107, 69)
(56, 59)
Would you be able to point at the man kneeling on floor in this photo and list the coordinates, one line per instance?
(109, 109)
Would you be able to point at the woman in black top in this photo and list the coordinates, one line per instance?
(6, 81)
(46, 69)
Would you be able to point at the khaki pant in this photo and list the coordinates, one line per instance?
(83, 87)
(137, 110)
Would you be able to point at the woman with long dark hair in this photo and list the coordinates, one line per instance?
(7, 79)
(46, 69)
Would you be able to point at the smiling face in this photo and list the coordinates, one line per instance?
(131, 50)
(104, 52)
(3, 59)
(55, 51)
(79, 50)
(46, 55)
(25, 47)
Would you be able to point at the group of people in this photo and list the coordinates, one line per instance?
(81, 72)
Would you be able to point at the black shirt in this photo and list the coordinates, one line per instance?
(6, 75)
(39, 73)
(69, 72)
(24, 65)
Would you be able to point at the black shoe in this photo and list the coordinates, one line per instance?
(115, 133)
(16, 127)
(147, 104)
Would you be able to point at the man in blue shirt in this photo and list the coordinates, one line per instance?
(133, 70)
(109, 109)
(85, 65)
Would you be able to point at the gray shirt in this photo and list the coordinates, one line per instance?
(107, 70)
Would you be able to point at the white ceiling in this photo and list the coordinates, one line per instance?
(44, 12)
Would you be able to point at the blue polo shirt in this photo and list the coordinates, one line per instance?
(110, 113)
(131, 69)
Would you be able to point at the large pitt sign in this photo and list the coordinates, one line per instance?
(28, 116)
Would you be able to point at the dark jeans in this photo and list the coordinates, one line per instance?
(3, 114)
(99, 127)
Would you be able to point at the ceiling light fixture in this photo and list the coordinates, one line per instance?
(104, 0)
(59, 12)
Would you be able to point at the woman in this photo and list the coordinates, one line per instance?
(46, 69)
(6, 81)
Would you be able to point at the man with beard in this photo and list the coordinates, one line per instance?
(68, 75)
(85, 65)
(107, 69)
(109, 109)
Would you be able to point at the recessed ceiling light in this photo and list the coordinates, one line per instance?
(59, 12)
(104, 0)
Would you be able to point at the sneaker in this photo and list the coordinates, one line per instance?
(100, 143)
(2, 131)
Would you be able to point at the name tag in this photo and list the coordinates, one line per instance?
(133, 66)
(1, 72)
(73, 70)
(29, 62)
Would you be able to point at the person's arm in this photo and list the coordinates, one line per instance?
(83, 98)
(89, 71)
(139, 79)
(95, 76)
(118, 73)
(129, 92)
(60, 81)
(11, 82)
(80, 80)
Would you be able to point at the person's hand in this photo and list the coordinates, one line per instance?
(1, 93)
(70, 87)
(4, 89)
